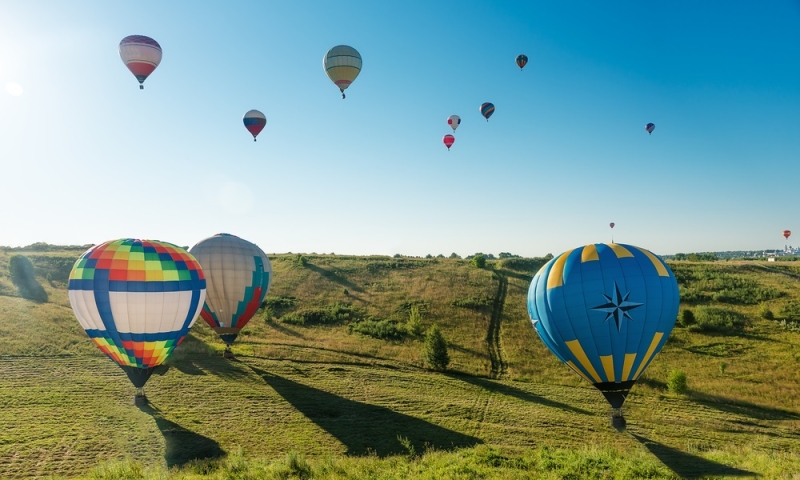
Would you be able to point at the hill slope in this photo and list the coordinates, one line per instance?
(306, 380)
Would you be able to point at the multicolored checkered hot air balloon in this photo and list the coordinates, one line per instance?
(141, 55)
(522, 60)
(254, 121)
(137, 300)
(238, 275)
(605, 310)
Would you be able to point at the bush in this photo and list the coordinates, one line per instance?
(435, 353)
(718, 320)
(790, 312)
(332, 314)
(380, 329)
(22, 275)
(479, 260)
(765, 313)
(474, 303)
(527, 265)
(677, 382)
(686, 318)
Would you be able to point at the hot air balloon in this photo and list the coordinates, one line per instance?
(454, 121)
(612, 231)
(487, 109)
(611, 224)
(786, 234)
(448, 140)
(342, 65)
(522, 60)
(141, 55)
(238, 275)
(605, 310)
(137, 299)
(254, 122)
(650, 127)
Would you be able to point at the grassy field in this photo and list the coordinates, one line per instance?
(309, 397)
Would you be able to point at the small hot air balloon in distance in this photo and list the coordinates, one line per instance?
(650, 127)
(238, 274)
(605, 310)
(137, 300)
(342, 64)
(448, 140)
(141, 55)
(454, 121)
(787, 234)
(612, 231)
(487, 109)
(254, 122)
(522, 60)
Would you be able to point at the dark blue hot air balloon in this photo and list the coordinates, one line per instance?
(605, 310)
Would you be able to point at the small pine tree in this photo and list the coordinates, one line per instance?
(435, 354)
(414, 323)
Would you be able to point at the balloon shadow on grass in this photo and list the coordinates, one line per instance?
(182, 445)
(686, 465)
(334, 277)
(745, 409)
(487, 384)
(363, 428)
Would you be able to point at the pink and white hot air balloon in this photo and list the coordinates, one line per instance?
(141, 55)
(448, 140)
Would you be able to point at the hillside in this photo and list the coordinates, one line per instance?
(327, 371)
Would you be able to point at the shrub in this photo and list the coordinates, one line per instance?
(686, 318)
(719, 320)
(336, 313)
(479, 260)
(380, 329)
(435, 353)
(677, 382)
(22, 275)
(790, 312)
(765, 313)
(474, 303)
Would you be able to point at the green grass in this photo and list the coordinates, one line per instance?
(323, 401)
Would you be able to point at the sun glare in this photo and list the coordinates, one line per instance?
(14, 89)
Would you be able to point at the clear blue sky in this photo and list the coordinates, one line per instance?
(87, 157)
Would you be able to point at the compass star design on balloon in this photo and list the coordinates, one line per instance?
(617, 306)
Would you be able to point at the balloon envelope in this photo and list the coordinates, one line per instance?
(342, 64)
(254, 122)
(487, 109)
(611, 224)
(522, 60)
(141, 55)
(605, 310)
(448, 140)
(238, 275)
(137, 299)
(454, 121)
(787, 233)
(650, 127)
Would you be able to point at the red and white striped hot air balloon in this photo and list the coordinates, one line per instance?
(141, 55)
(448, 140)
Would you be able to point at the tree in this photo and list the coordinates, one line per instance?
(414, 323)
(22, 275)
(479, 260)
(454, 255)
(435, 354)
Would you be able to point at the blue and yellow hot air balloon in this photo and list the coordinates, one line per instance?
(137, 299)
(605, 310)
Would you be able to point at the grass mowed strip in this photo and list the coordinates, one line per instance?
(63, 415)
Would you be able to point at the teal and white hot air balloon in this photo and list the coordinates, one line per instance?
(238, 274)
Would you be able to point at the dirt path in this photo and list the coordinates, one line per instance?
(499, 365)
